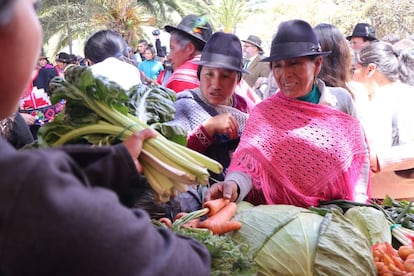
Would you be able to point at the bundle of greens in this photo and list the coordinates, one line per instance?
(100, 112)
(227, 256)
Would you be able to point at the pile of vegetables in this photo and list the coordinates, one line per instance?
(399, 211)
(393, 262)
(211, 226)
(99, 112)
(289, 240)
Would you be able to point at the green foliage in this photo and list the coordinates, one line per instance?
(227, 256)
(99, 111)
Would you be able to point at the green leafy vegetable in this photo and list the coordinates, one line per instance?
(227, 256)
(371, 222)
(289, 240)
(100, 112)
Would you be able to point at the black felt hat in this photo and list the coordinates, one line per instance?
(254, 40)
(63, 57)
(194, 27)
(223, 50)
(363, 30)
(294, 38)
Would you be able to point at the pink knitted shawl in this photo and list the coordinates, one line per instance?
(298, 153)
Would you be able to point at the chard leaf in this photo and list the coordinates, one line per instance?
(174, 133)
(152, 104)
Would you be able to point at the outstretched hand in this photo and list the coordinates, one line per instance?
(223, 190)
(134, 144)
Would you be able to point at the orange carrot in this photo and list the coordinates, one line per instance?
(390, 250)
(220, 223)
(394, 268)
(387, 259)
(166, 221)
(398, 263)
(215, 205)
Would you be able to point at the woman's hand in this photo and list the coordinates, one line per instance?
(135, 142)
(29, 119)
(227, 189)
(224, 123)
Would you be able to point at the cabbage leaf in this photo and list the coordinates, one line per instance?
(289, 240)
(371, 222)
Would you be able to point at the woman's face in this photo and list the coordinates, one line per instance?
(42, 62)
(20, 38)
(364, 74)
(148, 55)
(360, 73)
(295, 76)
(217, 85)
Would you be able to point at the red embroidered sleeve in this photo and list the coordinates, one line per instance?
(199, 140)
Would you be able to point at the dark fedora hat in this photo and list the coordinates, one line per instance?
(223, 50)
(197, 28)
(254, 40)
(294, 38)
(363, 30)
(63, 57)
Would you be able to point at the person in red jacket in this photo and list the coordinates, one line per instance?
(67, 219)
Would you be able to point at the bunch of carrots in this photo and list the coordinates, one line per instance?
(219, 213)
(393, 262)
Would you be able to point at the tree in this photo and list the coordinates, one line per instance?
(65, 19)
(70, 20)
(122, 16)
(227, 14)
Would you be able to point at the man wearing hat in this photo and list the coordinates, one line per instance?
(253, 51)
(62, 60)
(186, 43)
(362, 35)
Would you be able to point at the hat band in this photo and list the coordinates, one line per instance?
(222, 59)
(295, 49)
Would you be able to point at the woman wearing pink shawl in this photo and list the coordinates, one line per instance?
(303, 144)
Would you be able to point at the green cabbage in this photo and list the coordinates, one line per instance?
(289, 240)
(371, 222)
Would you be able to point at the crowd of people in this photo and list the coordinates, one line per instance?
(323, 116)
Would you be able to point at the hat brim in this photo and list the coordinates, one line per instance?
(367, 37)
(170, 29)
(255, 44)
(287, 56)
(217, 64)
